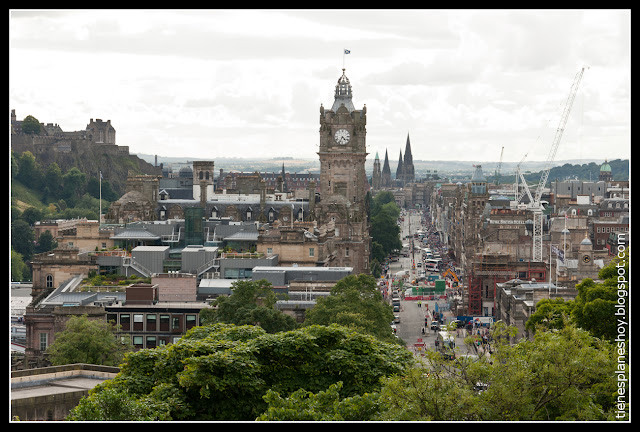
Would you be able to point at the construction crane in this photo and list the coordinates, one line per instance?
(519, 194)
(534, 201)
(499, 167)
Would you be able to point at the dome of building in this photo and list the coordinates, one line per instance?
(185, 172)
(586, 242)
(605, 167)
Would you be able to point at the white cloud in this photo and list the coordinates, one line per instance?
(218, 82)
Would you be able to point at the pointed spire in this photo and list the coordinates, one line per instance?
(385, 167)
(408, 158)
(400, 169)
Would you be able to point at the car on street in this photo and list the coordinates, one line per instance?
(396, 319)
(435, 325)
(458, 323)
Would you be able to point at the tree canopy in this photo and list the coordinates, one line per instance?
(355, 302)
(594, 308)
(222, 371)
(563, 374)
(87, 341)
(251, 303)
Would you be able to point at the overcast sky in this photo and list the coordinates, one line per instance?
(249, 83)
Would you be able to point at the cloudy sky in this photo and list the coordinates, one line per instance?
(249, 83)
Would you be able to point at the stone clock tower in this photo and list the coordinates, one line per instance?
(343, 182)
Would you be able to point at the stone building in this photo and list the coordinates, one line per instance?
(385, 178)
(516, 301)
(376, 177)
(342, 207)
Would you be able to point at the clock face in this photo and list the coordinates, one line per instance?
(586, 259)
(342, 136)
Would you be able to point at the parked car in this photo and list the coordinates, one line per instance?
(396, 319)
(435, 325)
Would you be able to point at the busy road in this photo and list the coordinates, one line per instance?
(416, 317)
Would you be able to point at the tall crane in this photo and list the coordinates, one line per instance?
(499, 167)
(534, 204)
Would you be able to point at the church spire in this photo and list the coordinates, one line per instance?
(400, 170)
(409, 171)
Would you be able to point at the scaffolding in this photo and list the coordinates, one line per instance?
(495, 268)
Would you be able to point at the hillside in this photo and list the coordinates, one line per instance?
(89, 158)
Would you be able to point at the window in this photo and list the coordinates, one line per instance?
(175, 323)
(44, 339)
(49, 281)
(164, 322)
(151, 342)
(138, 322)
(269, 251)
(137, 341)
(346, 252)
(312, 252)
(125, 322)
(190, 321)
(151, 322)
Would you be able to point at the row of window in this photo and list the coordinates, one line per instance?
(312, 251)
(151, 322)
(611, 229)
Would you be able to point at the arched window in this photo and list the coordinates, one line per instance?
(49, 281)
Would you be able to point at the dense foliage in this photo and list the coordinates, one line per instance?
(251, 303)
(561, 375)
(385, 232)
(87, 341)
(222, 372)
(355, 302)
(596, 305)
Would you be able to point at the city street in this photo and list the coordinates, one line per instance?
(412, 316)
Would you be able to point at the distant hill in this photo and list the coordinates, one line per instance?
(581, 169)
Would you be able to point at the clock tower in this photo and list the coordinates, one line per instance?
(343, 181)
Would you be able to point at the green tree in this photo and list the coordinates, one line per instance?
(29, 172)
(355, 302)
(327, 405)
(596, 304)
(31, 215)
(87, 341)
(19, 270)
(384, 231)
(46, 242)
(594, 308)
(22, 238)
(30, 125)
(53, 181)
(222, 371)
(564, 374)
(549, 314)
(252, 303)
(74, 185)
